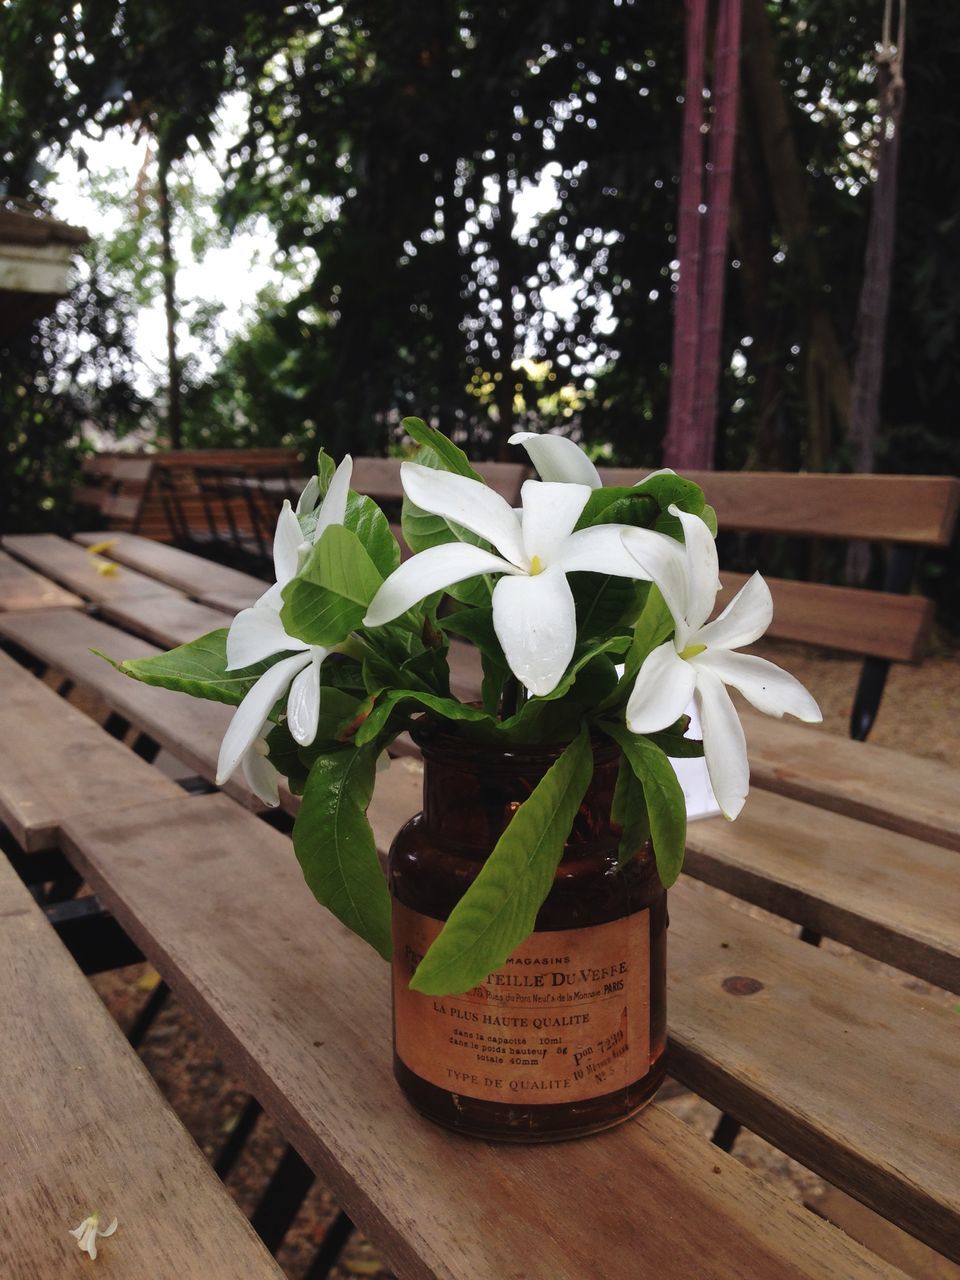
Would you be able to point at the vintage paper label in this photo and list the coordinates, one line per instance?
(566, 1019)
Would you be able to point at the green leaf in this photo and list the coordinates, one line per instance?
(198, 668)
(325, 471)
(619, 504)
(663, 794)
(437, 450)
(499, 909)
(653, 627)
(330, 595)
(365, 519)
(673, 743)
(335, 846)
(605, 602)
(709, 517)
(393, 702)
(629, 813)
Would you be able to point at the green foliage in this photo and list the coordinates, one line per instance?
(198, 668)
(330, 595)
(663, 802)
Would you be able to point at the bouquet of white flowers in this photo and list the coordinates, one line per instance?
(590, 609)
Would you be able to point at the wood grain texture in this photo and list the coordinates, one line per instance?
(886, 894)
(76, 569)
(882, 1237)
(21, 588)
(915, 796)
(55, 762)
(167, 622)
(189, 728)
(301, 1008)
(84, 1128)
(203, 580)
(919, 510)
(846, 1071)
(875, 623)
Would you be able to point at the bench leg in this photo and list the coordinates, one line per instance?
(726, 1132)
(148, 1014)
(228, 1154)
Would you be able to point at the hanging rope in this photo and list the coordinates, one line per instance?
(702, 230)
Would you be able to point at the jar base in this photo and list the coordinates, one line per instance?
(545, 1122)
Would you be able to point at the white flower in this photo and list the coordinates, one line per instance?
(533, 610)
(87, 1232)
(701, 659)
(558, 458)
(258, 633)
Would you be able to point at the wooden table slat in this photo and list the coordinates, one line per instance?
(21, 588)
(91, 1132)
(76, 569)
(205, 580)
(56, 762)
(301, 1007)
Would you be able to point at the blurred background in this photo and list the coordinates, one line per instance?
(305, 221)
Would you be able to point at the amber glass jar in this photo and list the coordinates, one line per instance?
(569, 1036)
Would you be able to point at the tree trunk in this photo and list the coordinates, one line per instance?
(169, 269)
(505, 248)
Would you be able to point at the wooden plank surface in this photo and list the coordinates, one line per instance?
(55, 762)
(877, 623)
(888, 895)
(166, 622)
(202, 579)
(921, 510)
(845, 1070)
(83, 1128)
(301, 1008)
(905, 793)
(76, 569)
(21, 588)
(190, 728)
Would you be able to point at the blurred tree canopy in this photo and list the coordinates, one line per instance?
(397, 148)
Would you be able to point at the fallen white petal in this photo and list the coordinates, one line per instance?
(744, 620)
(558, 458)
(256, 634)
(724, 745)
(303, 702)
(536, 623)
(432, 570)
(334, 505)
(702, 566)
(466, 502)
(286, 545)
(108, 1231)
(768, 687)
(550, 512)
(253, 712)
(663, 688)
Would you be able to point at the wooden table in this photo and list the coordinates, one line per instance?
(839, 1064)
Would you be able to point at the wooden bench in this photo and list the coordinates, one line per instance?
(93, 1133)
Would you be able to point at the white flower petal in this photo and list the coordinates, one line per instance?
(466, 502)
(272, 598)
(557, 458)
(286, 545)
(724, 745)
(252, 713)
(769, 688)
(303, 702)
(334, 505)
(108, 1231)
(256, 634)
(308, 498)
(550, 511)
(536, 623)
(663, 560)
(703, 576)
(663, 471)
(262, 777)
(744, 620)
(600, 549)
(429, 571)
(663, 688)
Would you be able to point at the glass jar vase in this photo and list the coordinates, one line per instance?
(568, 1037)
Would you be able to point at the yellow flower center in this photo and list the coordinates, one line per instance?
(536, 565)
(692, 650)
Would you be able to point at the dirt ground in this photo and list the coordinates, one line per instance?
(920, 713)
